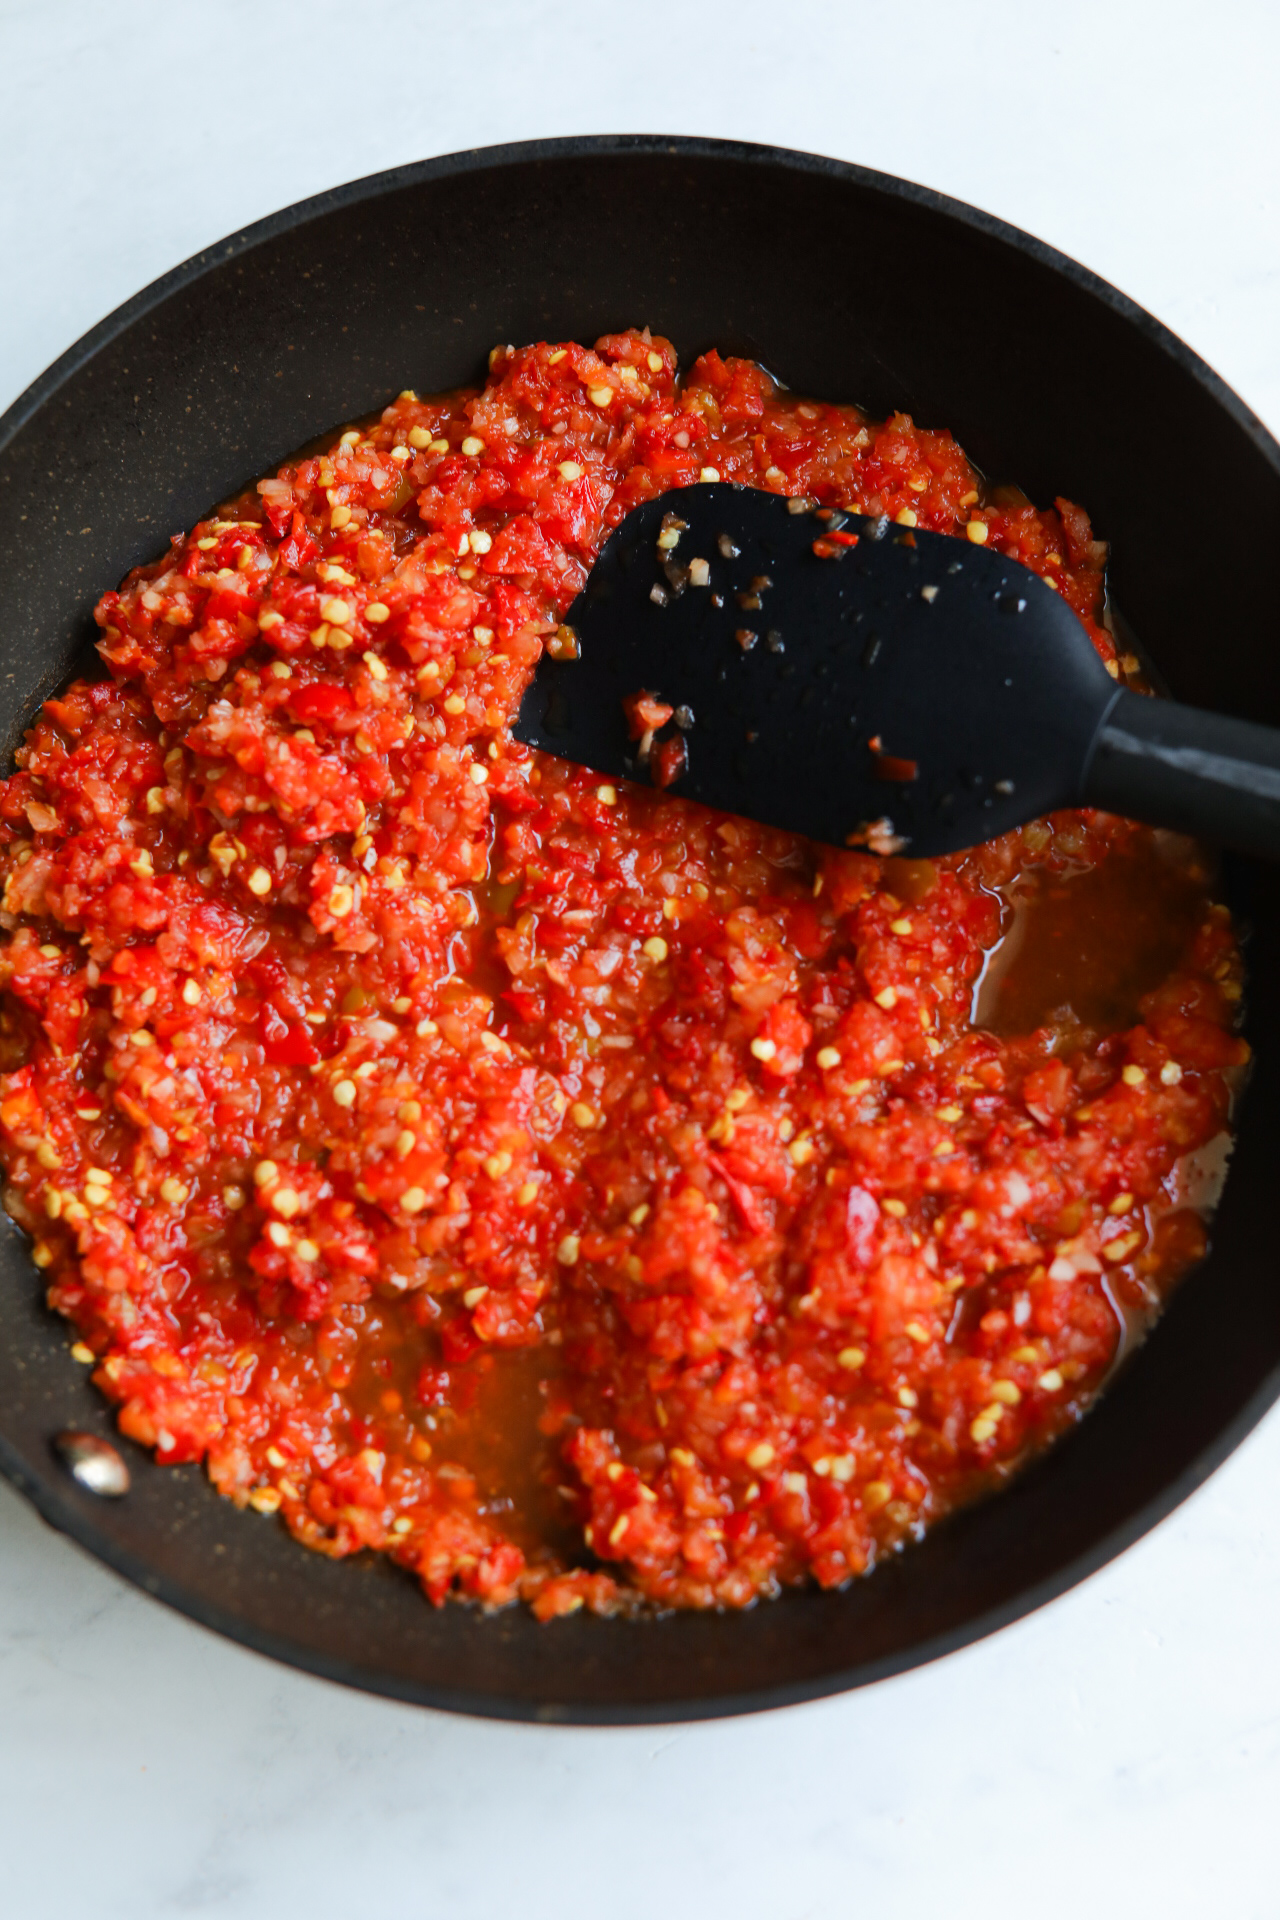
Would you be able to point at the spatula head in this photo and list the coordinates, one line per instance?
(845, 678)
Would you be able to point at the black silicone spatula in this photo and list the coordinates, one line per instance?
(869, 685)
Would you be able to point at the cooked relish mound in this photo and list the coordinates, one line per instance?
(571, 1192)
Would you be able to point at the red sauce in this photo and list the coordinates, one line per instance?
(572, 1192)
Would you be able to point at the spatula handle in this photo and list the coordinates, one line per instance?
(1198, 772)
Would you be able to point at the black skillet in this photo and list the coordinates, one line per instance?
(848, 285)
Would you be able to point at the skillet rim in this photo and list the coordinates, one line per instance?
(372, 186)
(64, 1517)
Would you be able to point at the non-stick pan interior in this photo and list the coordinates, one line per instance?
(845, 284)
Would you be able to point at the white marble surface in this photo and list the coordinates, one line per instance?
(1119, 1751)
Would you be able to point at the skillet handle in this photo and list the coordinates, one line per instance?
(1201, 773)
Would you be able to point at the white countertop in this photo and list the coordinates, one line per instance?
(1119, 1751)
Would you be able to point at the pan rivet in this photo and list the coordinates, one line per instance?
(95, 1464)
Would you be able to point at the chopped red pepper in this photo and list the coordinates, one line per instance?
(668, 760)
(404, 1119)
(645, 714)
